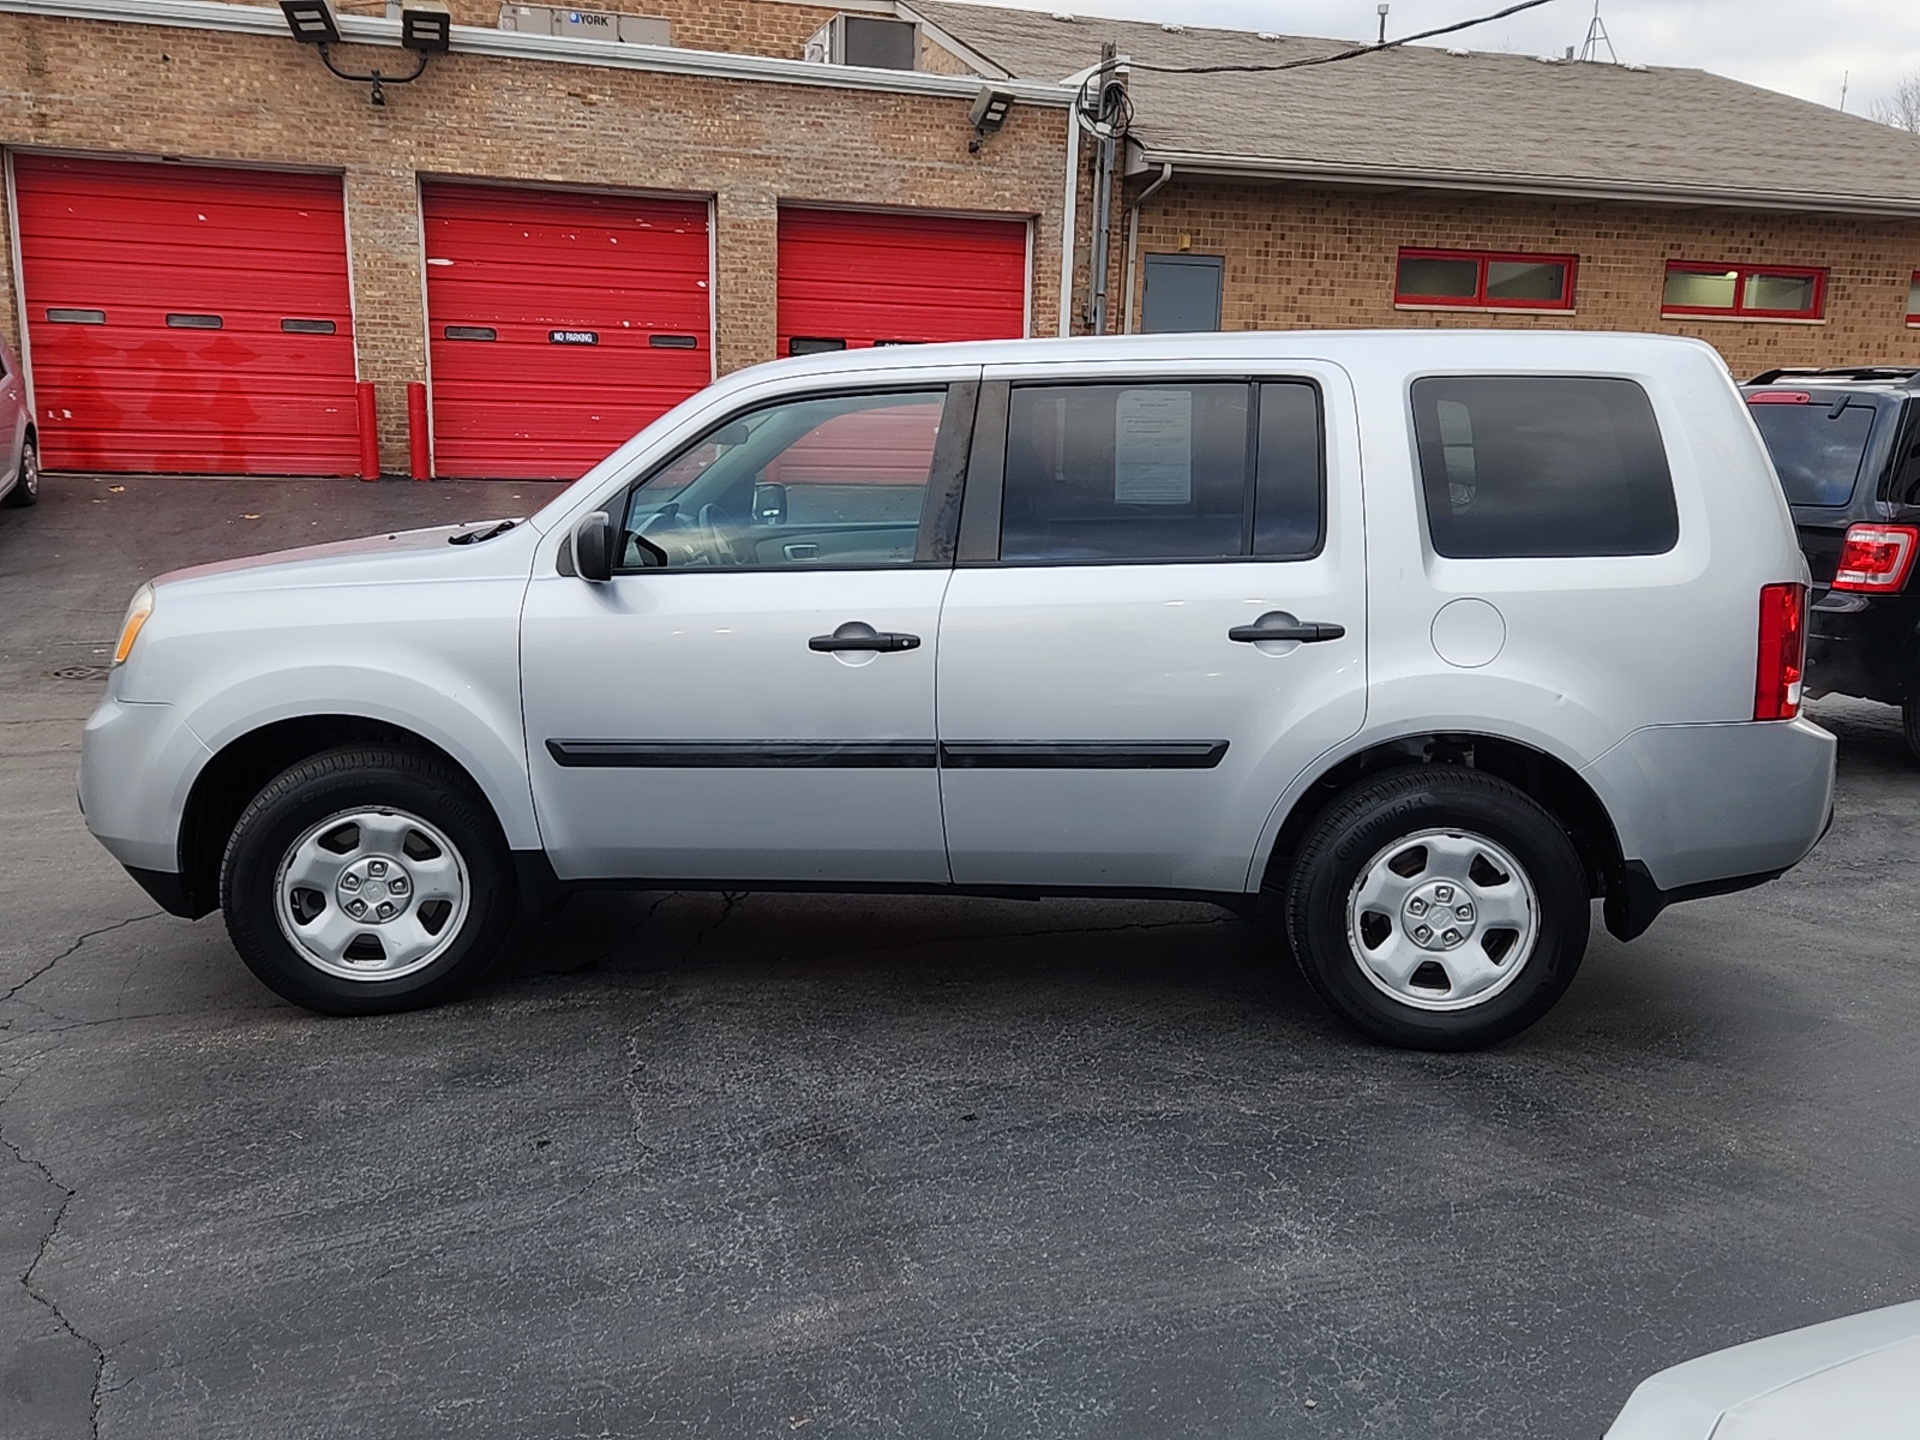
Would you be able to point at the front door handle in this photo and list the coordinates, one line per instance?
(1279, 625)
(857, 635)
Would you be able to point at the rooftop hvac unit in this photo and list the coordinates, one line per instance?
(527, 19)
(586, 24)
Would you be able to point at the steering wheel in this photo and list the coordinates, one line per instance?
(673, 536)
(712, 521)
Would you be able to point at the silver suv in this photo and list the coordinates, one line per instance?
(1431, 638)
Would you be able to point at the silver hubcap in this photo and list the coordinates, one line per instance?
(371, 894)
(1443, 920)
(30, 470)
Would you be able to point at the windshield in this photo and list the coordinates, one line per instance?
(1819, 453)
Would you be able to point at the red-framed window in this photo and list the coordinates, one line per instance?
(1913, 300)
(1481, 279)
(1761, 292)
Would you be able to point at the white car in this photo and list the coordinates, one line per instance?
(1851, 1379)
(19, 441)
(1435, 637)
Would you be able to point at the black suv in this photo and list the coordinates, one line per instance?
(1847, 445)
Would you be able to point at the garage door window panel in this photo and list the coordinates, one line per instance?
(1542, 467)
(826, 481)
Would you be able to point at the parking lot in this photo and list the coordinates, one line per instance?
(721, 1165)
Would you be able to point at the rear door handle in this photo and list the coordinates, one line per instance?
(1279, 625)
(857, 635)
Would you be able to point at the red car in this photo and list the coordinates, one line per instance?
(19, 447)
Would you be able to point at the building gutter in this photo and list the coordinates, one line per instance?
(559, 50)
(1249, 167)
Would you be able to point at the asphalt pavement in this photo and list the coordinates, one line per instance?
(718, 1166)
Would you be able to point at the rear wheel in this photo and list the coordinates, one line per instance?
(1910, 724)
(26, 490)
(1438, 908)
(367, 880)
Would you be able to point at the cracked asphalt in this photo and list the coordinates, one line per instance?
(712, 1165)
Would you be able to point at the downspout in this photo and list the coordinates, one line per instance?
(1133, 235)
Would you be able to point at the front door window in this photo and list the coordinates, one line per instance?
(837, 480)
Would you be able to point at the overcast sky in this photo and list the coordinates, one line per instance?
(1805, 47)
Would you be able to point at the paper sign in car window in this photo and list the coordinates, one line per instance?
(1153, 447)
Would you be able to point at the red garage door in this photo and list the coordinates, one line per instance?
(561, 323)
(187, 319)
(850, 278)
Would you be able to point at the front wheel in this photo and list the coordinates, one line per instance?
(1438, 908)
(367, 880)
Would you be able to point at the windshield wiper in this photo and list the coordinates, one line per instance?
(474, 537)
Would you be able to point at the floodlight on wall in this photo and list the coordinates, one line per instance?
(988, 114)
(426, 28)
(311, 21)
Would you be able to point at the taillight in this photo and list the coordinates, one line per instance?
(1876, 558)
(1783, 651)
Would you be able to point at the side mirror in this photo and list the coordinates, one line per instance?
(593, 547)
(769, 504)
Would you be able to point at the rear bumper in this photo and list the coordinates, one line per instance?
(1706, 809)
(1862, 645)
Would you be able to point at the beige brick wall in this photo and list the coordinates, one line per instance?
(1306, 258)
(141, 90)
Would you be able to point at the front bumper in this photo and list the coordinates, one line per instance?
(137, 766)
(1704, 809)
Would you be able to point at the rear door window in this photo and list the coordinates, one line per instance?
(1819, 445)
(1213, 470)
(1542, 466)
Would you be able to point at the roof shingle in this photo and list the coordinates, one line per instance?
(1423, 115)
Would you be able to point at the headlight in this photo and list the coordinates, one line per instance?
(137, 613)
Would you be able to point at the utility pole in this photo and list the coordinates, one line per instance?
(1106, 158)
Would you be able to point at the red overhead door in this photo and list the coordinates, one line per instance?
(850, 278)
(187, 319)
(561, 323)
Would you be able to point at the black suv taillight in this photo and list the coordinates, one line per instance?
(1876, 558)
(1783, 651)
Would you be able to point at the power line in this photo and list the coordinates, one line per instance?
(1353, 53)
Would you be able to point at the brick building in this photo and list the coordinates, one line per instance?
(213, 245)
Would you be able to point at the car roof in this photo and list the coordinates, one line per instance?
(1558, 350)
(1886, 379)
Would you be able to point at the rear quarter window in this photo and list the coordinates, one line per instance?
(1542, 467)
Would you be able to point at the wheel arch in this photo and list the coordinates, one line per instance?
(242, 767)
(1549, 780)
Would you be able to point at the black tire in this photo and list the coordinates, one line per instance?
(1353, 838)
(27, 491)
(380, 783)
(1910, 724)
